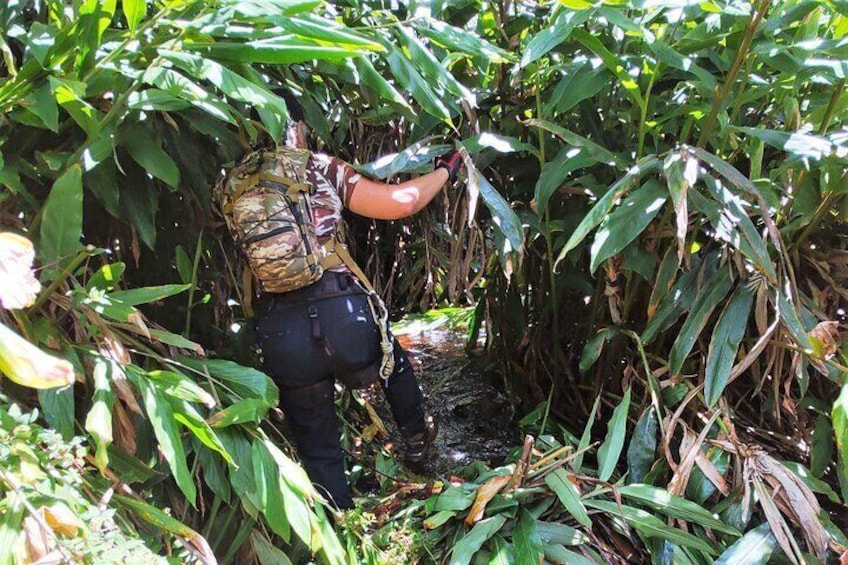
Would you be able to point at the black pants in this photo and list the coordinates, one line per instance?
(311, 336)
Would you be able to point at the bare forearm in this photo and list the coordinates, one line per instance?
(394, 201)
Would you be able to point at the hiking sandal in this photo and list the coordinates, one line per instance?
(417, 446)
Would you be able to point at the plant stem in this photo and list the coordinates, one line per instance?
(193, 281)
(727, 86)
(72, 266)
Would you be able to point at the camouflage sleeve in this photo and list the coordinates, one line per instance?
(339, 174)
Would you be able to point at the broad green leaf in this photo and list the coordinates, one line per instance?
(551, 36)
(155, 99)
(214, 473)
(175, 340)
(283, 50)
(472, 542)
(235, 86)
(410, 159)
(650, 526)
(804, 145)
(161, 417)
(643, 446)
(430, 67)
(593, 348)
(577, 462)
(269, 497)
(610, 450)
(554, 173)
(374, 80)
(598, 153)
(666, 275)
(107, 277)
(44, 106)
(568, 495)
(500, 143)
(602, 207)
(557, 533)
(412, 81)
(612, 62)
(142, 147)
(297, 512)
(61, 222)
(525, 539)
(438, 519)
(724, 344)
(789, 317)
(502, 552)
(675, 506)
(666, 54)
(180, 386)
(269, 8)
(134, 12)
(679, 180)
(705, 302)
(244, 382)
(70, 95)
(172, 82)
(839, 416)
(187, 415)
(160, 520)
(57, 405)
(146, 295)
(556, 553)
(754, 548)
(581, 81)
(454, 499)
(821, 452)
(266, 552)
(325, 31)
(460, 40)
(503, 216)
(239, 448)
(242, 412)
(627, 221)
(98, 421)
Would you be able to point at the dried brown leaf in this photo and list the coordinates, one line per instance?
(485, 493)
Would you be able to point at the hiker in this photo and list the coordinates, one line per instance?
(335, 328)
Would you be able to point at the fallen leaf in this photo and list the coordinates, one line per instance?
(485, 493)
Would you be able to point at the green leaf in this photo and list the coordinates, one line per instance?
(44, 106)
(175, 340)
(567, 493)
(161, 417)
(61, 222)
(134, 12)
(374, 80)
(187, 415)
(266, 552)
(554, 173)
(650, 526)
(454, 499)
(244, 382)
(839, 416)
(500, 143)
(601, 209)
(297, 513)
(106, 277)
(557, 533)
(613, 63)
(242, 412)
(438, 519)
(430, 67)
(754, 548)
(582, 81)
(556, 553)
(180, 386)
(473, 541)
(69, 95)
(326, 31)
(155, 99)
(675, 506)
(790, 319)
(593, 348)
(610, 450)
(98, 421)
(235, 86)
(266, 475)
(643, 446)
(410, 79)
(150, 155)
(553, 35)
(504, 217)
(174, 83)
(799, 144)
(724, 344)
(285, 50)
(577, 462)
(525, 539)
(627, 222)
(705, 302)
(146, 295)
(57, 405)
(821, 452)
(598, 153)
(666, 54)
(462, 41)
(502, 553)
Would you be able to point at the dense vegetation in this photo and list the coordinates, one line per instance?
(658, 268)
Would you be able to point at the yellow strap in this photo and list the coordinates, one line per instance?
(247, 291)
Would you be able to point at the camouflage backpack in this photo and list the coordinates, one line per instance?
(265, 202)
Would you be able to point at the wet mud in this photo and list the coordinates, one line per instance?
(474, 417)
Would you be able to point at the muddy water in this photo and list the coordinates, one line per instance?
(474, 417)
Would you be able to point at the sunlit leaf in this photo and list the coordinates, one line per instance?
(464, 550)
(755, 548)
(61, 224)
(568, 495)
(610, 450)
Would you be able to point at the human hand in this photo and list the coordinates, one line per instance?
(451, 162)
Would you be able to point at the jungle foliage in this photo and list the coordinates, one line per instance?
(658, 264)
